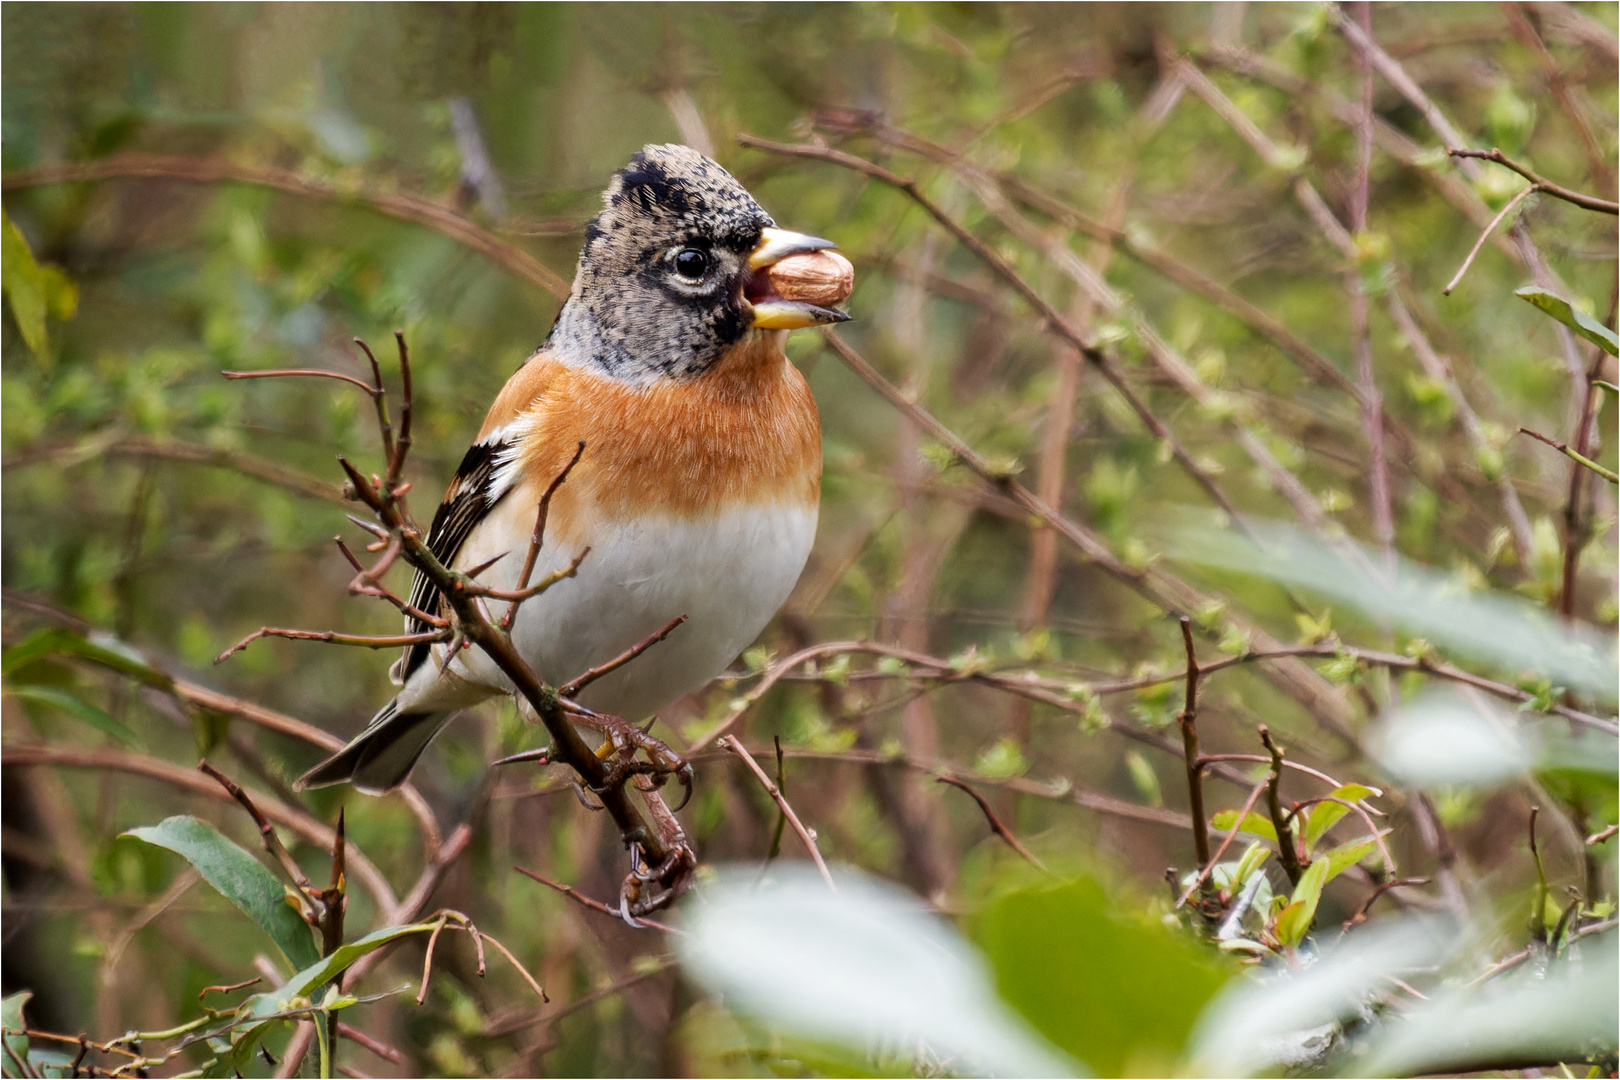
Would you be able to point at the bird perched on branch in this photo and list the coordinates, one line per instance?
(698, 487)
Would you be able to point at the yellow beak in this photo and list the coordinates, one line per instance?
(771, 312)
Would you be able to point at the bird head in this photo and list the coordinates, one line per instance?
(674, 272)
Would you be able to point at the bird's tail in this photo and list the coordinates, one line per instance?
(378, 760)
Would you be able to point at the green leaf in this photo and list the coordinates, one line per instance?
(1253, 858)
(1253, 824)
(300, 989)
(1345, 856)
(23, 282)
(11, 1016)
(1323, 816)
(1294, 921)
(82, 710)
(98, 648)
(1572, 317)
(1122, 992)
(241, 879)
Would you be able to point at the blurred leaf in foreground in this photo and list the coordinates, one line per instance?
(1500, 630)
(1520, 1020)
(1291, 1020)
(1447, 738)
(1120, 993)
(868, 966)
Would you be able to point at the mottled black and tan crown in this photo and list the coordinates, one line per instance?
(671, 274)
(675, 193)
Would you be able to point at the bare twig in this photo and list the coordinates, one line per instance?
(996, 824)
(1602, 835)
(1287, 853)
(182, 778)
(282, 373)
(521, 970)
(584, 679)
(332, 637)
(596, 905)
(1187, 720)
(411, 208)
(267, 832)
(1486, 235)
(1574, 455)
(1049, 314)
(372, 1043)
(1366, 905)
(737, 748)
(1557, 191)
(1155, 583)
(1208, 867)
(539, 536)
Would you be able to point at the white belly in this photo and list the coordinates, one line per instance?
(728, 572)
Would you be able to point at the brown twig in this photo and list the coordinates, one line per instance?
(579, 682)
(267, 833)
(521, 970)
(332, 637)
(181, 778)
(1287, 853)
(1486, 235)
(1187, 720)
(473, 627)
(542, 512)
(412, 208)
(1207, 868)
(372, 1043)
(1574, 455)
(734, 746)
(1557, 191)
(1049, 314)
(596, 905)
(1155, 583)
(1602, 835)
(283, 373)
(1366, 905)
(996, 824)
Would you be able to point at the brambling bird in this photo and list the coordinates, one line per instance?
(698, 489)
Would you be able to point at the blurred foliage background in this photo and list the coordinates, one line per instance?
(1201, 192)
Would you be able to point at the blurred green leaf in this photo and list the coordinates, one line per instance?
(1119, 993)
(241, 879)
(76, 707)
(32, 290)
(99, 648)
(1572, 317)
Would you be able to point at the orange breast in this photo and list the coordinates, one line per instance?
(746, 431)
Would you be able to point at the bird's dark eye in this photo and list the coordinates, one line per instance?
(691, 264)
